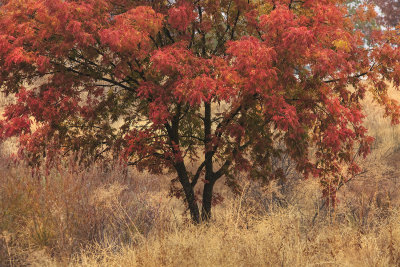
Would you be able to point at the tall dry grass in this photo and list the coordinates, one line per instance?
(280, 239)
(69, 209)
(110, 217)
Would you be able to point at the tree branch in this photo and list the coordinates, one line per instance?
(198, 172)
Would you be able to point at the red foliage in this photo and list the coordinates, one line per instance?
(182, 15)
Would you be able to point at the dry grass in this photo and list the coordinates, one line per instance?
(69, 209)
(102, 217)
(280, 239)
(108, 215)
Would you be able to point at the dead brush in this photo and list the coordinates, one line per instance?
(369, 199)
(70, 208)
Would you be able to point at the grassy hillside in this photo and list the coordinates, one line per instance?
(109, 215)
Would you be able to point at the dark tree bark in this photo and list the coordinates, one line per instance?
(207, 200)
(180, 167)
(189, 192)
(209, 172)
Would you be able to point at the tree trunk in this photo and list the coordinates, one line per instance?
(207, 201)
(173, 133)
(189, 193)
(209, 175)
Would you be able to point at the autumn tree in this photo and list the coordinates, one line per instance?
(204, 89)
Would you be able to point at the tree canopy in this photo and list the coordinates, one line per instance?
(224, 85)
